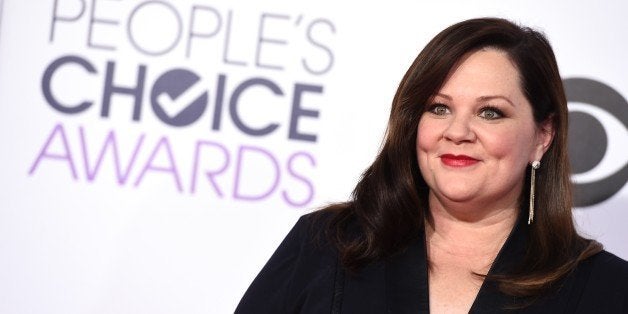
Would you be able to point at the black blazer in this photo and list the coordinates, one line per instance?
(303, 276)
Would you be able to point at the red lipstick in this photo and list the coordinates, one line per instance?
(458, 160)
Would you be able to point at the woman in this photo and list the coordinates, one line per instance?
(467, 207)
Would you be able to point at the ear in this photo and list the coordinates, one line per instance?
(544, 136)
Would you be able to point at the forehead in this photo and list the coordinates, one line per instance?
(484, 72)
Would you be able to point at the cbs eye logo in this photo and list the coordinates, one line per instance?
(598, 140)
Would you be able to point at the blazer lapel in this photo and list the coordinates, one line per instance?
(406, 280)
(400, 284)
(489, 298)
(364, 292)
(407, 289)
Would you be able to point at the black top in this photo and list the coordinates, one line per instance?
(304, 276)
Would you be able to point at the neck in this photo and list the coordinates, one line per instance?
(468, 231)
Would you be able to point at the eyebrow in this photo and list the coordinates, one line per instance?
(481, 98)
(485, 98)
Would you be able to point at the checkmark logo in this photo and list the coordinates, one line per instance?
(174, 107)
(179, 97)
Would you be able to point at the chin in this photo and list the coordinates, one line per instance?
(457, 195)
(458, 198)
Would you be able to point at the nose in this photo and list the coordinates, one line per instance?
(459, 130)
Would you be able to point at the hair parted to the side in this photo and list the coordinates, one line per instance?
(390, 203)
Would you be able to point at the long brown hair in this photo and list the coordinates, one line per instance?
(389, 204)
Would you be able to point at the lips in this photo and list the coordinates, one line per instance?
(458, 160)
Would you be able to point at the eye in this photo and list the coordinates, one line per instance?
(490, 113)
(438, 109)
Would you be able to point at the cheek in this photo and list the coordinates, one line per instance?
(422, 138)
(511, 144)
(501, 146)
(426, 141)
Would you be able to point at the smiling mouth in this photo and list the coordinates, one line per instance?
(458, 160)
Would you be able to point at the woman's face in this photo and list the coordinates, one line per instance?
(478, 134)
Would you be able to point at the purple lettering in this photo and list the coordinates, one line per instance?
(308, 183)
(241, 153)
(45, 153)
(170, 168)
(209, 173)
(110, 141)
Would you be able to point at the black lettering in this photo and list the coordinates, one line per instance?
(192, 33)
(93, 20)
(326, 49)
(56, 17)
(261, 39)
(136, 92)
(46, 81)
(167, 48)
(233, 106)
(298, 112)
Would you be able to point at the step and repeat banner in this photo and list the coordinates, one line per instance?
(155, 153)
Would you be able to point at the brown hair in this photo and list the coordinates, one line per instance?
(389, 204)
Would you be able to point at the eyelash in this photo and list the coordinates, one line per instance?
(499, 114)
(432, 108)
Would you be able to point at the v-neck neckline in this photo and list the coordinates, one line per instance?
(407, 276)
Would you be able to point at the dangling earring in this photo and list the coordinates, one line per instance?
(535, 165)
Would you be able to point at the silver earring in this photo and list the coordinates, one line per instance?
(535, 165)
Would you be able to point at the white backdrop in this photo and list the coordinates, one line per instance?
(155, 153)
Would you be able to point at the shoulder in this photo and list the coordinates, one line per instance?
(602, 284)
(311, 230)
(299, 275)
(307, 242)
(608, 269)
(609, 259)
(317, 219)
